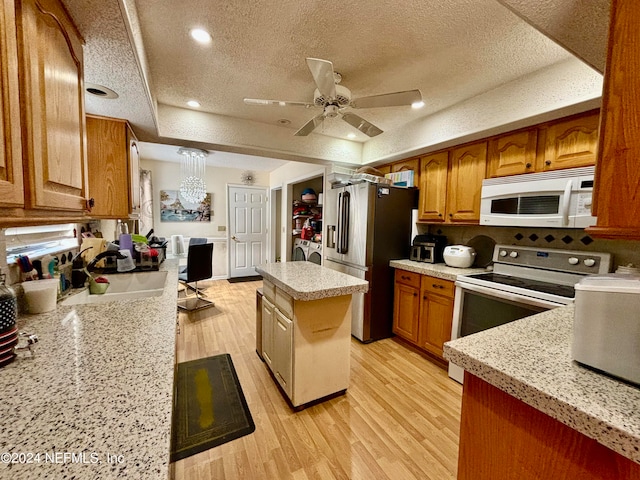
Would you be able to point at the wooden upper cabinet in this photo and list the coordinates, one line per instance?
(410, 164)
(571, 143)
(384, 169)
(112, 154)
(51, 71)
(11, 175)
(617, 181)
(512, 154)
(468, 166)
(434, 170)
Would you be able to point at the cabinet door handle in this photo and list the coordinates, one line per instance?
(451, 214)
(91, 203)
(528, 165)
(415, 294)
(547, 163)
(439, 214)
(424, 298)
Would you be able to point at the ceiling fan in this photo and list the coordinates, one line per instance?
(334, 99)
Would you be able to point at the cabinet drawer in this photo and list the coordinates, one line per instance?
(269, 290)
(408, 278)
(439, 286)
(284, 303)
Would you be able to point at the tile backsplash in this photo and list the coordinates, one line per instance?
(624, 251)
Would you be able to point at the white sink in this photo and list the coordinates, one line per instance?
(123, 286)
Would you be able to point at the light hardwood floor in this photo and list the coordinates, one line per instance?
(399, 419)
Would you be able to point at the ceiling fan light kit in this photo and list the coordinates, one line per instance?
(335, 99)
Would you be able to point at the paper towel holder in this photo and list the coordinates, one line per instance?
(177, 245)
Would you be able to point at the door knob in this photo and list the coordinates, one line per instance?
(234, 238)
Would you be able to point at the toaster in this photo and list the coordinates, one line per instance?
(428, 248)
(606, 327)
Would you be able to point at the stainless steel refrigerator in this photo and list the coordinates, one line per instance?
(367, 225)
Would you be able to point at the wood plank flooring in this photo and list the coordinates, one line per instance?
(399, 419)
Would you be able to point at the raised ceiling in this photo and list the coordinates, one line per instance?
(480, 67)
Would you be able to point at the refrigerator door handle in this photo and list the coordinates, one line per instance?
(343, 223)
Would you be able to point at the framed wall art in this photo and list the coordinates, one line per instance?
(174, 208)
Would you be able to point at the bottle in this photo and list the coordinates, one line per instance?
(126, 243)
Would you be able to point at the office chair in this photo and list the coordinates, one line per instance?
(199, 258)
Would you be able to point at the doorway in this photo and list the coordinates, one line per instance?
(247, 208)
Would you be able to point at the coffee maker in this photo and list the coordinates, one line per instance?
(428, 248)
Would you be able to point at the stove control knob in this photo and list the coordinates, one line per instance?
(513, 254)
(573, 261)
(589, 262)
(503, 253)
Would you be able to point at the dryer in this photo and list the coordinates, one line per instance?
(315, 253)
(300, 250)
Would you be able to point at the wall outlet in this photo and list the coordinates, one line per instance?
(222, 228)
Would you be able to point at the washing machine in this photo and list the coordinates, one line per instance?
(315, 253)
(300, 250)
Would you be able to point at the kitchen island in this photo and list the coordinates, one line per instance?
(95, 400)
(530, 412)
(306, 328)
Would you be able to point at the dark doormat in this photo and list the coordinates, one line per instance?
(252, 278)
(209, 408)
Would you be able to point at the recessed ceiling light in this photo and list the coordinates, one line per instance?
(351, 135)
(419, 104)
(201, 36)
(284, 121)
(99, 90)
(193, 103)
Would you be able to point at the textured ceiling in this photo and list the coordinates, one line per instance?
(453, 51)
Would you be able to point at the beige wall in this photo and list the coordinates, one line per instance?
(166, 176)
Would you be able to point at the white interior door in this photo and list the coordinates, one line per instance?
(247, 229)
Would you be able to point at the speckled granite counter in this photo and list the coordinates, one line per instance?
(530, 359)
(308, 281)
(438, 270)
(101, 383)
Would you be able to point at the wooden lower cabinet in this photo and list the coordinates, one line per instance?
(406, 305)
(501, 437)
(423, 313)
(436, 315)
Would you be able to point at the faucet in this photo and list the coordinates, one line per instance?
(101, 255)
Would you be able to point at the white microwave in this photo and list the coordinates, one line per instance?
(558, 199)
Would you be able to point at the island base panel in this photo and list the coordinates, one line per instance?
(502, 437)
(322, 346)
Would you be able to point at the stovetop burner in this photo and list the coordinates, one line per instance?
(539, 286)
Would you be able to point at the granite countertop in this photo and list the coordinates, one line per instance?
(308, 281)
(530, 359)
(438, 270)
(100, 383)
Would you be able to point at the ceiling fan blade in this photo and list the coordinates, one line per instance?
(322, 72)
(276, 103)
(310, 126)
(395, 99)
(361, 124)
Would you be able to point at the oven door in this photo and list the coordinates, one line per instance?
(477, 308)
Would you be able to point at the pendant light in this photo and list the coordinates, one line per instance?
(193, 188)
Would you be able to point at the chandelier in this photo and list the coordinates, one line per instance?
(193, 189)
